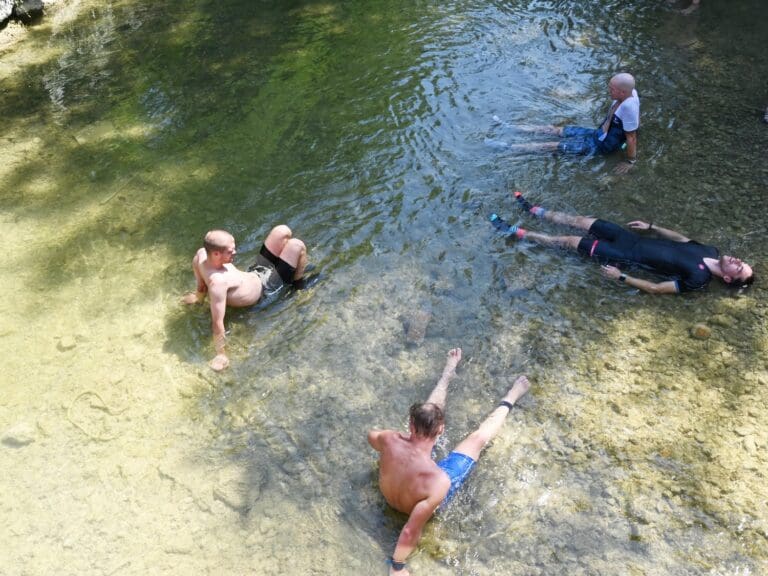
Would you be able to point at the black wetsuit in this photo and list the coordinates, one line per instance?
(681, 261)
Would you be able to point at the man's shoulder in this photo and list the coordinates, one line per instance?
(386, 433)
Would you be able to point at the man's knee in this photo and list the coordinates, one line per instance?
(281, 231)
(292, 251)
(572, 242)
(278, 238)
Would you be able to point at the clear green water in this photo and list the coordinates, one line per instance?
(130, 128)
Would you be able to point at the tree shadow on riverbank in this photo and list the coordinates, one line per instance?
(135, 150)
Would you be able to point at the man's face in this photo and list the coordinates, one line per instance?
(228, 251)
(734, 269)
(615, 92)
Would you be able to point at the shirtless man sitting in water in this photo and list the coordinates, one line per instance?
(410, 480)
(281, 261)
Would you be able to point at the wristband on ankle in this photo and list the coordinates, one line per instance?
(396, 566)
(650, 226)
(507, 404)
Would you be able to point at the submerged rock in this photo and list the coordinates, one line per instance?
(6, 9)
(28, 10)
(416, 327)
(66, 343)
(19, 435)
(723, 320)
(701, 331)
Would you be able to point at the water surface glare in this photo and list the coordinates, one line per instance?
(130, 128)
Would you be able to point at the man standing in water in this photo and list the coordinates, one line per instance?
(690, 265)
(619, 127)
(410, 480)
(281, 261)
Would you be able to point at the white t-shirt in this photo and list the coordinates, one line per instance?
(629, 112)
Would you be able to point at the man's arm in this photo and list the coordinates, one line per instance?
(218, 297)
(201, 289)
(629, 163)
(437, 396)
(663, 232)
(668, 287)
(411, 533)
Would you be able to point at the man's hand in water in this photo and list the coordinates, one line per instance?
(219, 362)
(639, 225)
(193, 298)
(623, 168)
(610, 272)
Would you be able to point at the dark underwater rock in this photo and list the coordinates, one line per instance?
(28, 11)
(6, 9)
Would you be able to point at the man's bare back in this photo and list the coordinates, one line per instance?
(407, 473)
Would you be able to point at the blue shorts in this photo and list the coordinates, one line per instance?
(457, 466)
(578, 140)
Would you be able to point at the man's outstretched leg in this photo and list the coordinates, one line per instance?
(567, 242)
(573, 220)
(473, 444)
(449, 371)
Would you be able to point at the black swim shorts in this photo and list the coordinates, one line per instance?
(608, 242)
(274, 272)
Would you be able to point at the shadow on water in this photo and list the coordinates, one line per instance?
(137, 166)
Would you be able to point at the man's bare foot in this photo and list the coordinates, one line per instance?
(219, 362)
(518, 390)
(453, 359)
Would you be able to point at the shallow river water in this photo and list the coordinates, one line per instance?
(132, 127)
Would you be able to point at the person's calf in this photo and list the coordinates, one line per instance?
(295, 254)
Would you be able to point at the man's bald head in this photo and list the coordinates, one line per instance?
(217, 240)
(624, 81)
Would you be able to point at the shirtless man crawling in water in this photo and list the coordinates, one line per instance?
(410, 480)
(281, 261)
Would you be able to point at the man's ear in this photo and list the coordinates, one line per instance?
(727, 278)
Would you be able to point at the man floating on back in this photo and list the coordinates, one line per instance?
(688, 264)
